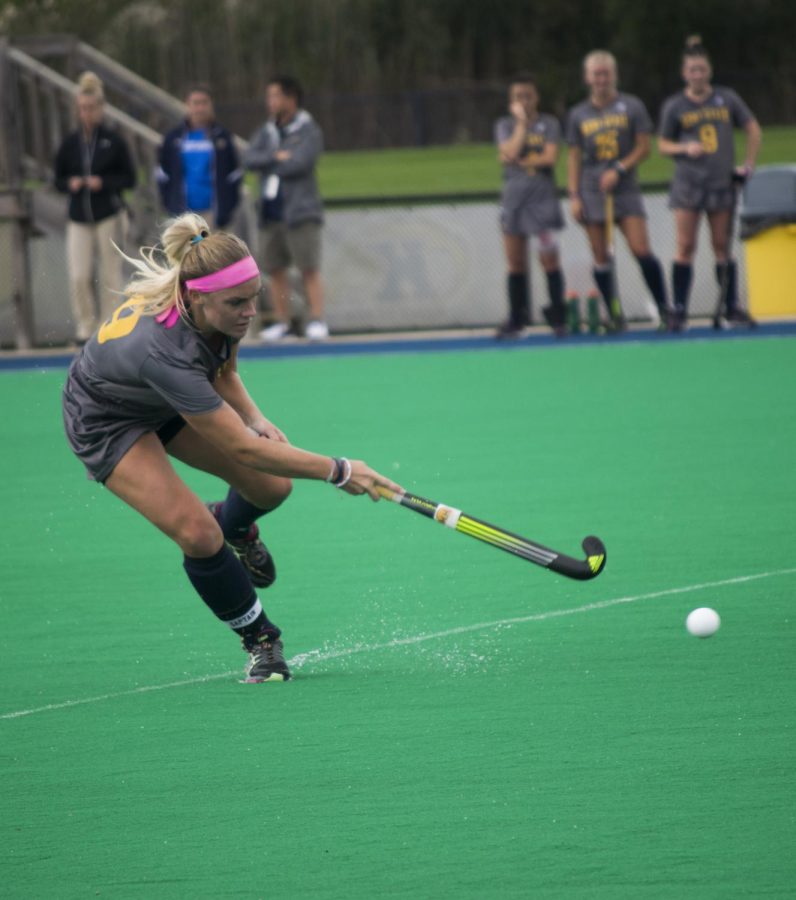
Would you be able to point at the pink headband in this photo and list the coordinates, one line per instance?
(243, 270)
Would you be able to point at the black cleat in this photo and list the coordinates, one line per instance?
(252, 552)
(266, 659)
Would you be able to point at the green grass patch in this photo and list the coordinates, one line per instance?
(474, 168)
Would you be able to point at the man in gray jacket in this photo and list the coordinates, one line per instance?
(285, 151)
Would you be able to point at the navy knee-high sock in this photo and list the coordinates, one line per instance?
(224, 585)
(653, 276)
(729, 271)
(602, 276)
(555, 290)
(236, 515)
(682, 276)
(519, 299)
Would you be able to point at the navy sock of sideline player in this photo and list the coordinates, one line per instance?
(653, 276)
(224, 585)
(555, 290)
(602, 275)
(682, 276)
(728, 270)
(519, 299)
(236, 515)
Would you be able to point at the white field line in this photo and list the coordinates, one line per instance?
(313, 656)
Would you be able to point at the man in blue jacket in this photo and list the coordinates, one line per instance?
(199, 167)
(285, 152)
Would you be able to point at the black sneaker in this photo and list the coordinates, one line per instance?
(508, 331)
(740, 318)
(252, 552)
(556, 320)
(679, 319)
(266, 659)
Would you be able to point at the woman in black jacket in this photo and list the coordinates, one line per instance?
(93, 166)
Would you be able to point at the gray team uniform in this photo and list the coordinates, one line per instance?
(704, 183)
(605, 136)
(529, 203)
(124, 386)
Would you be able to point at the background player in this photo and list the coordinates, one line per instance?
(528, 144)
(160, 377)
(608, 136)
(696, 130)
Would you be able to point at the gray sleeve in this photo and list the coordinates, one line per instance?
(670, 125)
(641, 118)
(573, 130)
(303, 155)
(185, 389)
(553, 134)
(259, 155)
(739, 111)
(504, 128)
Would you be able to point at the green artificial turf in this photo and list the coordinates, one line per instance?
(462, 723)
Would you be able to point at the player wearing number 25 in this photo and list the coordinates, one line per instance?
(608, 136)
(696, 130)
(158, 380)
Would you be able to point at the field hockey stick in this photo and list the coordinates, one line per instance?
(724, 281)
(615, 305)
(580, 569)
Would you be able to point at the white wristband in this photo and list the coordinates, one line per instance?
(346, 473)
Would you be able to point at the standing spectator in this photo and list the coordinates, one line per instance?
(199, 167)
(285, 152)
(93, 166)
(697, 132)
(528, 143)
(608, 136)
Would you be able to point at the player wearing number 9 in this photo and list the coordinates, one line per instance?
(608, 136)
(696, 130)
(158, 380)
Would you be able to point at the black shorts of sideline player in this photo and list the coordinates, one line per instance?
(159, 379)
(608, 135)
(697, 131)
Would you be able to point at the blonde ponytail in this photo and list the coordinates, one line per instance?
(186, 250)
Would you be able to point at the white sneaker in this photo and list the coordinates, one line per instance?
(317, 330)
(275, 332)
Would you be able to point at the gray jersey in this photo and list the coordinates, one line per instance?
(605, 136)
(710, 123)
(132, 377)
(529, 203)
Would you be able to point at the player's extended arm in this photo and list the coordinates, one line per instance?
(224, 428)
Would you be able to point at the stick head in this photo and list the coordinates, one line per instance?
(595, 554)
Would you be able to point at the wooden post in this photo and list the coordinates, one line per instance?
(15, 202)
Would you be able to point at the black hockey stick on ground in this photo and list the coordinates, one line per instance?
(738, 180)
(580, 569)
(615, 311)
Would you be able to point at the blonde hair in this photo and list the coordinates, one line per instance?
(190, 251)
(600, 56)
(90, 85)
